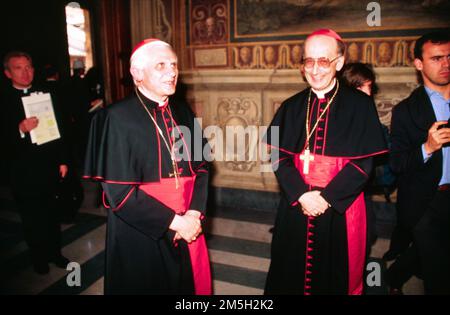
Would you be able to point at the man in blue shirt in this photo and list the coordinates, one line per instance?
(420, 154)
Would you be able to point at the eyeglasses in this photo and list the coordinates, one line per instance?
(322, 62)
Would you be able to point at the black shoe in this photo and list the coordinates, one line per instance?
(60, 261)
(41, 268)
(390, 255)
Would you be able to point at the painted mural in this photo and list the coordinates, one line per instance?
(300, 17)
(269, 34)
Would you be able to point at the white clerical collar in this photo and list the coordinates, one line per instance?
(146, 94)
(321, 94)
(24, 90)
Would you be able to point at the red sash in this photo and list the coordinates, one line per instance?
(321, 171)
(179, 201)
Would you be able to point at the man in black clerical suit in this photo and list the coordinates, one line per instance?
(34, 170)
(156, 199)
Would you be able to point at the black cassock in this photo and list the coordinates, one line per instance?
(125, 151)
(325, 254)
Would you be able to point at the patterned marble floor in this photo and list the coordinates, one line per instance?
(239, 246)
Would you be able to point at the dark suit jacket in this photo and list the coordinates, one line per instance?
(33, 169)
(417, 181)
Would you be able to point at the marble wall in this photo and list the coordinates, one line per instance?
(251, 97)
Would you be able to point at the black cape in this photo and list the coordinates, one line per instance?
(125, 150)
(350, 129)
(354, 130)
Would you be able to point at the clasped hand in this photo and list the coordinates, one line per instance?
(187, 226)
(313, 204)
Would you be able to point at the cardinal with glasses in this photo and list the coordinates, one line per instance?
(147, 152)
(322, 143)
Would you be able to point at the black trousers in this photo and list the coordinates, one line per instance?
(432, 237)
(429, 253)
(41, 226)
(404, 267)
(401, 238)
(407, 263)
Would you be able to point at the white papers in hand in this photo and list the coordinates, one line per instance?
(41, 106)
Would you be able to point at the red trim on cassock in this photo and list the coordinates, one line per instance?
(321, 171)
(319, 103)
(278, 161)
(325, 132)
(281, 149)
(184, 142)
(362, 156)
(159, 143)
(358, 168)
(179, 201)
(308, 256)
(121, 203)
(168, 134)
(104, 201)
(337, 157)
(99, 178)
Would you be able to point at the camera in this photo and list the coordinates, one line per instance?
(447, 125)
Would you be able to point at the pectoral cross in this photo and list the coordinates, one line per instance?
(306, 157)
(175, 174)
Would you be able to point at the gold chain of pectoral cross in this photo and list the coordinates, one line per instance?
(307, 156)
(170, 148)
